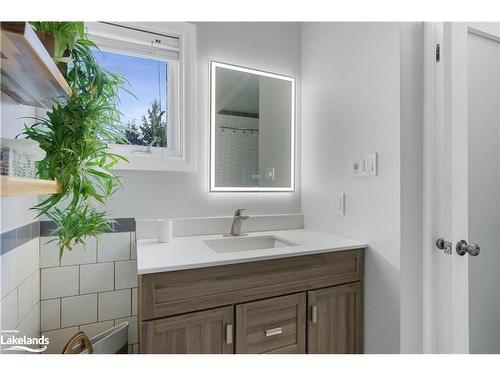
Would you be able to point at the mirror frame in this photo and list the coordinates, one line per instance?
(213, 67)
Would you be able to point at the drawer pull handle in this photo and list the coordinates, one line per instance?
(229, 334)
(314, 313)
(274, 331)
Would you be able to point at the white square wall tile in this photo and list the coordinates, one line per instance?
(135, 301)
(28, 295)
(59, 282)
(58, 338)
(12, 264)
(114, 305)
(49, 252)
(78, 310)
(21, 329)
(32, 322)
(5, 270)
(31, 261)
(81, 254)
(98, 277)
(113, 247)
(132, 328)
(126, 274)
(17, 272)
(50, 314)
(94, 329)
(22, 262)
(9, 311)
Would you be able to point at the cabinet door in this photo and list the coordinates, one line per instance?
(273, 325)
(205, 332)
(335, 320)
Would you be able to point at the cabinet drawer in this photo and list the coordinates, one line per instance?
(275, 325)
(178, 292)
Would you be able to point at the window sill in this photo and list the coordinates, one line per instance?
(151, 162)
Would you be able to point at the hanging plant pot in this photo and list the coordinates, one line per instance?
(48, 42)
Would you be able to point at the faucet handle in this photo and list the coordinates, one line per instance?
(239, 211)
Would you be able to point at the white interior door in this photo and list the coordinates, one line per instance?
(462, 188)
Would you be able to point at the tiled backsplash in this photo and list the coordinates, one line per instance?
(121, 224)
(92, 288)
(16, 237)
(20, 287)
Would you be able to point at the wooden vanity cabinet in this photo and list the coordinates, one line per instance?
(302, 304)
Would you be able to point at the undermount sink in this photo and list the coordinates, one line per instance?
(229, 245)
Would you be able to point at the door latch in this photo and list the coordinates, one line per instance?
(442, 244)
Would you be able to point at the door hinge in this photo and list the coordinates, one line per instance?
(438, 53)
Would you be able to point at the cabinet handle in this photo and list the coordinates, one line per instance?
(314, 313)
(274, 331)
(229, 334)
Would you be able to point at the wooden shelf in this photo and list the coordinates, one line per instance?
(15, 186)
(29, 75)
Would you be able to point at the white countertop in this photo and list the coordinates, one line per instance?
(191, 252)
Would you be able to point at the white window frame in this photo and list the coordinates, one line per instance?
(180, 156)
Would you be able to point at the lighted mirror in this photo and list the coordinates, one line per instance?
(252, 130)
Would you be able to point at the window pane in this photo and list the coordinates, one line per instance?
(145, 114)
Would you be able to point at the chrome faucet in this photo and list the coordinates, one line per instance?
(237, 219)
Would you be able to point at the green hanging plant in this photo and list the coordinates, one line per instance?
(75, 134)
(59, 37)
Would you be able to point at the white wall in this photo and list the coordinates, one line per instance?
(411, 187)
(484, 193)
(273, 47)
(351, 106)
(15, 210)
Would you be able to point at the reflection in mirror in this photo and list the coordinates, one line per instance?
(252, 130)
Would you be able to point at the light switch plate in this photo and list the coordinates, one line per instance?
(339, 203)
(365, 166)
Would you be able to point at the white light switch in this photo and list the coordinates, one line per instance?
(339, 204)
(369, 165)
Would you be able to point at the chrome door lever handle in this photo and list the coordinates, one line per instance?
(462, 248)
(442, 244)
